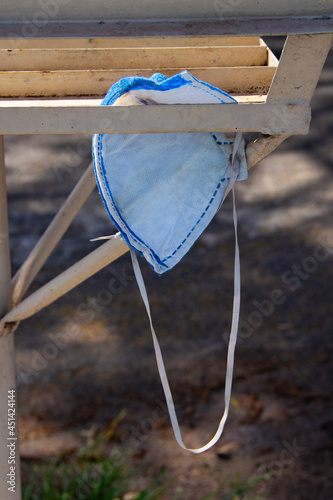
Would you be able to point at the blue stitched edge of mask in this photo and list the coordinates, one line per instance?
(156, 82)
(201, 217)
(115, 208)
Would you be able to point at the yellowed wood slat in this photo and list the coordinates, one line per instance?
(92, 102)
(242, 98)
(114, 42)
(97, 82)
(76, 59)
(242, 79)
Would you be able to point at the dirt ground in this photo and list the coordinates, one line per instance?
(88, 358)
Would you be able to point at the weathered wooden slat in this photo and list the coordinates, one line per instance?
(124, 58)
(66, 119)
(97, 82)
(95, 101)
(127, 41)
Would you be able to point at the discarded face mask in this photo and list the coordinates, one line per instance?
(162, 190)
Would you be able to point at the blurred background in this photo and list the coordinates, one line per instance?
(86, 368)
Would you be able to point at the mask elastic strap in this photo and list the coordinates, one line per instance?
(233, 333)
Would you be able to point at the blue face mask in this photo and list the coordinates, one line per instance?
(162, 190)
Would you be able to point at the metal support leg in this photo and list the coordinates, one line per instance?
(9, 449)
(73, 276)
(40, 253)
(262, 147)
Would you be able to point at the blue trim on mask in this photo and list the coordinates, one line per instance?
(124, 236)
(201, 217)
(121, 229)
(210, 86)
(156, 82)
(219, 142)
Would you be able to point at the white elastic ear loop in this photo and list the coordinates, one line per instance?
(233, 333)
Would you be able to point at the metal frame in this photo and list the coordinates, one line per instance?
(284, 111)
(7, 365)
(163, 18)
(167, 10)
(289, 118)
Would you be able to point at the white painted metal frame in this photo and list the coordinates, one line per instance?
(84, 18)
(124, 10)
(7, 356)
(283, 112)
